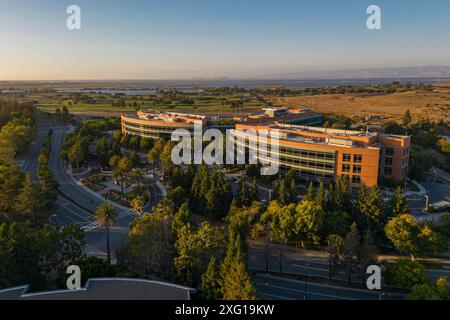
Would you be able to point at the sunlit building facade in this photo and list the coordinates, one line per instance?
(322, 154)
(317, 154)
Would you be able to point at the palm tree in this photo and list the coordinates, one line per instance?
(106, 216)
(137, 175)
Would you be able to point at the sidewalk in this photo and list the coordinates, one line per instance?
(95, 194)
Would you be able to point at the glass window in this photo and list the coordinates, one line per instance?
(356, 179)
(357, 158)
(389, 151)
(388, 162)
(388, 171)
(346, 157)
(356, 169)
(345, 168)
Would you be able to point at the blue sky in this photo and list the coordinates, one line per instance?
(156, 39)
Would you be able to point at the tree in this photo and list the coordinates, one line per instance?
(145, 144)
(244, 197)
(10, 182)
(309, 196)
(281, 195)
(405, 273)
(137, 204)
(445, 145)
(368, 253)
(309, 222)
(34, 255)
(334, 248)
(125, 140)
(134, 159)
(254, 194)
(194, 250)
(134, 142)
(65, 113)
(114, 161)
(91, 267)
(414, 239)
(181, 218)
(236, 283)
(440, 290)
(406, 119)
(121, 171)
(371, 208)
(336, 222)
(339, 195)
(77, 153)
(351, 251)
(137, 175)
(177, 196)
(320, 196)
(58, 114)
(397, 204)
(211, 281)
(106, 216)
(29, 203)
(149, 249)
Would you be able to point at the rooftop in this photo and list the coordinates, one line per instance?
(106, 289)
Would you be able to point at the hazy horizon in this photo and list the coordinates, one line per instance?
(187, 40)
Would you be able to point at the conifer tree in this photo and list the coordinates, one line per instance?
(351, 250)
(254, 195)
(29, 202)
(320, 196)
(236, 283)
(211, 282)
(309, 196)
(397, 204)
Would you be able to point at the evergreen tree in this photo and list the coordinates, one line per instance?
(406, 119)
(320, 196)
(281, 197)
(292, 192)
(236, 283)
(309, 196)
(351, 251)
(373, 213)
(211, 281)
(397, 204)
(254, 195)
(29, 203)
(367, 254)
(334, 248)
(244, 197)
(181, 218)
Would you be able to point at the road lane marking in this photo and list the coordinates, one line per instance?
(303, 291)
(274, 296)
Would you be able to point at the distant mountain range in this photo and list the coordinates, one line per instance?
(425, 71)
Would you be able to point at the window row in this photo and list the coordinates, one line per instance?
(346, 157)
(354, 179)
(305, 163)
(347, 168)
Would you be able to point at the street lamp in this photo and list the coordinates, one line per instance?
(427, 199)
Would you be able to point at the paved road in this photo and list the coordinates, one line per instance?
(311, 262)
(78, 204)
(277, 288)
(31, 163)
